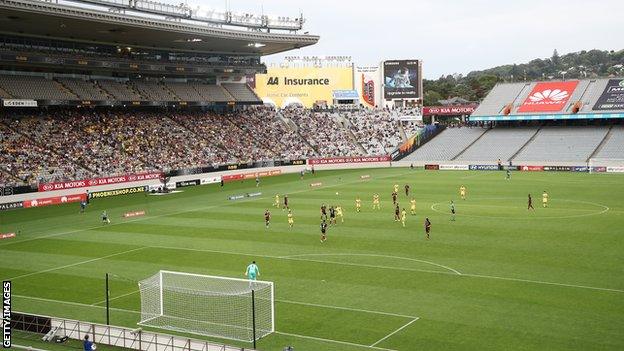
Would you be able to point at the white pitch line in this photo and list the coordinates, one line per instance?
(398, 269)
(542, 282)
(394, 332)
(74, 303)
(452, 271)
(346, 309)
(77, 263)
(115, 298)
(333, 341)
(376, 255)
(277, 332)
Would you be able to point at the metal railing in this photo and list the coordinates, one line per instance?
(135, 339)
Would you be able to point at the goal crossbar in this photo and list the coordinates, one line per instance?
(224, 307)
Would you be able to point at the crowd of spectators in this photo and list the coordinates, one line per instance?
(323, 132)
(67, 144)
(377, 131)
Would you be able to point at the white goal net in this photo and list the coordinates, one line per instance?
(208, 305)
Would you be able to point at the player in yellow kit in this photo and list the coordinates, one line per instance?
(403, 217)
(545, 199)
(462, 192)
(291, 220)
(396, 188)
(358, 204)
(277, 201)
(339, 213)
(376, 202)
(413, 206)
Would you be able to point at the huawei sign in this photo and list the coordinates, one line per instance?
(548, 97)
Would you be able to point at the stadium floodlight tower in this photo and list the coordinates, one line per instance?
(229, 308)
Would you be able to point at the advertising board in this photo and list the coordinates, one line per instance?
(283, 86)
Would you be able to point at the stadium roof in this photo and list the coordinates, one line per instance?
(69, 22)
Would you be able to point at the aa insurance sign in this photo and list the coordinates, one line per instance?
(6, 314)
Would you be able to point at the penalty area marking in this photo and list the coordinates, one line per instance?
(374, 255)
(605, 209)
(78, 304)
(394, 332)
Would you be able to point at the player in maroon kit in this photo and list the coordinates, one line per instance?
(530, 205)
(407, 189)
(267, 218)
(394, 197)
(397, 213)
(285, 202)
(427, 227)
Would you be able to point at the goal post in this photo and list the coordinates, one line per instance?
(222, 307)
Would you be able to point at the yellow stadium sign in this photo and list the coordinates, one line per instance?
(302, 85)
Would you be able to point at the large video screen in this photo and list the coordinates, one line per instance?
(401, 79)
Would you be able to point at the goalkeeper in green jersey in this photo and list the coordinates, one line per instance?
(252, 271)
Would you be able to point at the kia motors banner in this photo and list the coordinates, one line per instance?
(432, 167)
(402, 79)
(251, 175)
(116, 192)
(454, 167)
(531, 168)
(99, 181)
(368, 85)
(548, 96)
(335, 160)
(483, 167)
(448, 110)
(612, 98)
(11, 205)
(283, 86)
(56, 200)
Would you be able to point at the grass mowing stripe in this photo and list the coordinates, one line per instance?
(454, 273)
(185, 211)
(333, 341)
(77, 263)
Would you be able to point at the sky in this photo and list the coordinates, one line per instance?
(450, 36)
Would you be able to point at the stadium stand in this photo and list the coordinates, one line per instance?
(84, 89)
(153, 91)
(502, 95)
(378, 132)
(241, 92)
(34, 87)
(447, 144)
(562, 144)
(613, 145)
(120, 91)
(498, 143)
(323, 133)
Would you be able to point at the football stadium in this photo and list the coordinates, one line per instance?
(165, 187)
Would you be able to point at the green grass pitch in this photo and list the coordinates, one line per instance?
(499, 277)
